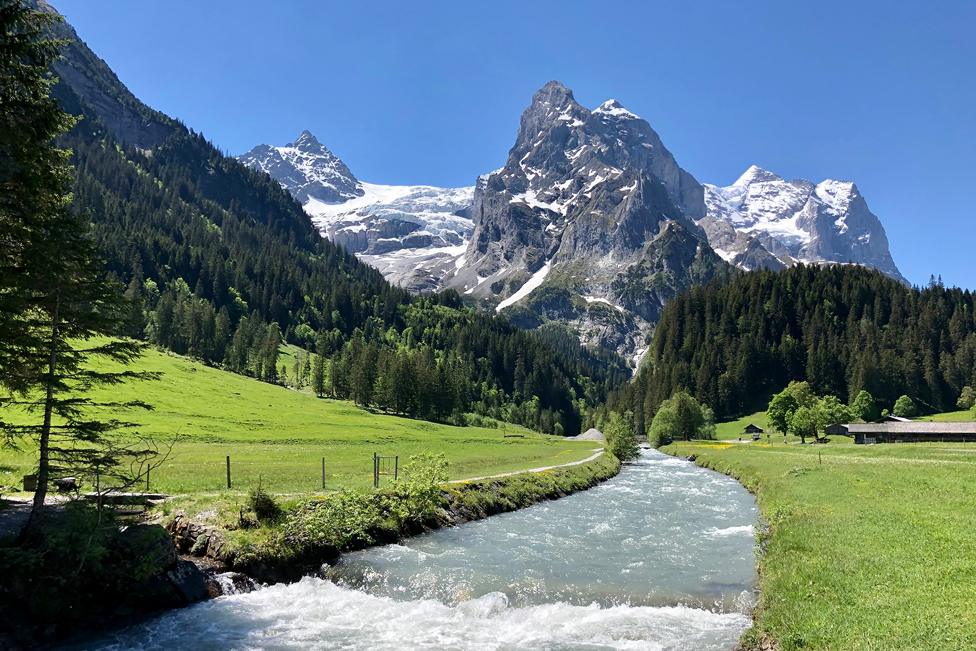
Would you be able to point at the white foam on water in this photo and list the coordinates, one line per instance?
(317, 614)
(743, 530)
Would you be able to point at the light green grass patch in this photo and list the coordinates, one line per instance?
(279, 436)
(871, 547)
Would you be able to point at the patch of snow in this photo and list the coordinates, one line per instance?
(614, 108)
(530, 285)
(598, 299)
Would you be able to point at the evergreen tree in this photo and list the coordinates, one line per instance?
(56, 300)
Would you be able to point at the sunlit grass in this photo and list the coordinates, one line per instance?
(871, 547)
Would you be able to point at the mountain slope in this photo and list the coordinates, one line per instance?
(226, 263)
(842, 328)
(794, 221)
(412, 234)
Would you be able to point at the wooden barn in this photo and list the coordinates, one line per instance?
(907, 432)
(754, 431)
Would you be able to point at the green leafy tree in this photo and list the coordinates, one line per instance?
(832, 411)
(621, 436)
(967, 398)
(805, 422)
(681, 417)
(780, 409)
(864, 407)
(905, 407)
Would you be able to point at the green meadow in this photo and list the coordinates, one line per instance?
(867, 547)
(279, 436)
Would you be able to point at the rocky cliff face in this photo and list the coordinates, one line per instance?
(591, 223)
(411, 233)
(763, 220)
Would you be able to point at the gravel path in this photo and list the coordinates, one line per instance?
(598, 452)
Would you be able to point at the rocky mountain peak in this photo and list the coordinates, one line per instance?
(764, 220)
(756, 174)
(615, 109)
(307, 140)
(307, 169)
(590, 206)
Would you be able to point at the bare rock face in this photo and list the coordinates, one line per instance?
(590, 223)
(776, 222)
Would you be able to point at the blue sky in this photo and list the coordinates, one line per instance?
(883, 93)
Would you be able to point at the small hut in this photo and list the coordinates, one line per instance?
(754, 430)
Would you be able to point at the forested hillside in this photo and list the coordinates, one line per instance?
(842, 328)
(222, 264)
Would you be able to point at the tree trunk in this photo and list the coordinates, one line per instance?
(44, 461)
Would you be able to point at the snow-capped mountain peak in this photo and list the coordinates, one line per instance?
(776, 222)
(755, 174)
(613, 108)
(412, 233)
(306, 168)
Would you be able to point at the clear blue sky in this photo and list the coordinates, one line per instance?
(883, 93)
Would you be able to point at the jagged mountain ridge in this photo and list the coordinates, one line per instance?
(412, 233)
(592, 224)
(763, 220)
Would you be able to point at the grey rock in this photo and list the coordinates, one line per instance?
(586, 202)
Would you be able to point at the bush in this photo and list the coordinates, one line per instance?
(265, 508)
(416, 496)
(342, 520)
(967, 399)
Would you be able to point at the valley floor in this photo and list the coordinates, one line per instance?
(278, 437)
(867, 547)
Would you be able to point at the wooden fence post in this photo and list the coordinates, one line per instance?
(376, 470)
(323, 473)
(396, 467)
(228, 471)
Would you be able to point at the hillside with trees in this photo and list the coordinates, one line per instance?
(221, 264)
(842, 329)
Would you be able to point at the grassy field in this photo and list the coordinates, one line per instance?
(280, 436)
(869, 547)
(734, 429)
(949, 416)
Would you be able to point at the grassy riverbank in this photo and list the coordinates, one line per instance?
(869, 547)
(312, 531)
(279, 436)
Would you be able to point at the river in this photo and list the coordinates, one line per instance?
(660, 557)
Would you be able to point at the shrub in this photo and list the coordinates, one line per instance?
(967, 399)
(418, 493)
(341, 520)
(265, 508)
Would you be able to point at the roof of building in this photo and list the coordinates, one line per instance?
(751, 426)
(912, 427)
